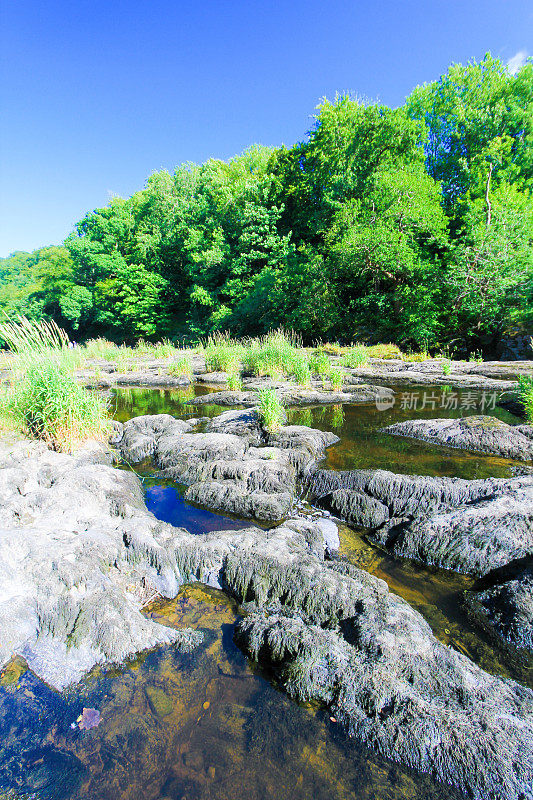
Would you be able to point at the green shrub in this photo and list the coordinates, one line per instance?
(355, 357)
(270, 409)
(446, 367)
(525, 395)
(384, 351)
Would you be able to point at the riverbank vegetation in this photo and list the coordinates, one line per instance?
(411, 225)
(44, 401)
(525, 395)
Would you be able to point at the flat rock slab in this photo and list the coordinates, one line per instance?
(483, 434)
(413, 376)
(291, 395)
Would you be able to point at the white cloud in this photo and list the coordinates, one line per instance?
(517, 61)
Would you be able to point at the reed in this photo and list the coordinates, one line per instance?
(44, 401)
(270, 409)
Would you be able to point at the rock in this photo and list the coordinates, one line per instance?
(506, 607)
(480, 433)
(90, 718)
(140, 436)
(71, 593)
(79, 549)
(427, 374)
(236, 498)
(241, 423)
(343, 639)
(213, 377)
(222, 469)
(330, 532)
(292, 395)
(469, 526)
(155, 379)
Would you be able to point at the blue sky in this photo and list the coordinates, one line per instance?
(97, 95)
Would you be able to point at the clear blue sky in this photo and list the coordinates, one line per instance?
(97, 95)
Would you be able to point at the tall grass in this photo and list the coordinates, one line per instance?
(234, 380)
(270, 409)
(222, 353)
(320, 364)
(275, 355)
(525, 395)
(336, 378)
(44, 401)
(181, 366)
(301, 371)
(355, 357)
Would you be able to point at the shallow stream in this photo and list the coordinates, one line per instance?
(209, 725)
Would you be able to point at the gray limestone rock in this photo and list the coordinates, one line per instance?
(479, 433)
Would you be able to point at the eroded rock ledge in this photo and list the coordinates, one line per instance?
(71, 592)
(79, 547)
(505, 606)
(471, 526)
(479, 433)
(292, 395)
(234, 465)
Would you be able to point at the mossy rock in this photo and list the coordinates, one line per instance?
(160, 702)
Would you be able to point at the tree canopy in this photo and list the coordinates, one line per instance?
(413, 225)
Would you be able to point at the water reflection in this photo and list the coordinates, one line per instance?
(165, 500)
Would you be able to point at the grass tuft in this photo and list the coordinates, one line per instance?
(355, 357)
(45, 402)
(336, 378)
(181, 366)
(525, 395)
(234, 381)
(270, 409)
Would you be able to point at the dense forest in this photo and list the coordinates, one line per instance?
(412, 225)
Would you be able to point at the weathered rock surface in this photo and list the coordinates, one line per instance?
(481, 433)
(223, 469)
(493, 376)
(342, 638)
(507, 607)
(468, 526)
(240, 423)
(71, 593)
(78, 545)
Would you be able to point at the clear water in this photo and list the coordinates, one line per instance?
(200, 726)
(208, 725)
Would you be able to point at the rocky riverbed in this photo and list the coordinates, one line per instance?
(81, 555)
